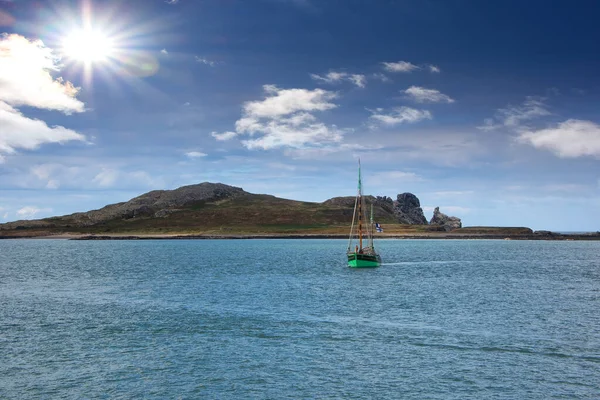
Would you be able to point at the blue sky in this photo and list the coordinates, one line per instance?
(488, 110)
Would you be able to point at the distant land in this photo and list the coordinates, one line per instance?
(215, 210)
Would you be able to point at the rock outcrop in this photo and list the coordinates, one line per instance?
(407, 209)
(449, 223)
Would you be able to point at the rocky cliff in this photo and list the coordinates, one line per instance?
(407, 209)
(443, 220)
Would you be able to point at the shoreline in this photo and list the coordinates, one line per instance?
(426, 236)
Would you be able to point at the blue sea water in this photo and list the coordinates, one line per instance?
(276, 319)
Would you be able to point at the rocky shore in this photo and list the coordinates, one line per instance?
(538, 235)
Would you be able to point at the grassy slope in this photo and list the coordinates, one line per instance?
(249, 214)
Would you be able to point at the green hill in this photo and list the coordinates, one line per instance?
(200, 209)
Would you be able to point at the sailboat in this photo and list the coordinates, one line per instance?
(363, 254)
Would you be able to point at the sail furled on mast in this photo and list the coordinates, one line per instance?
(359, 179)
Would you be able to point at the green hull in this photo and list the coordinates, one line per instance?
(357, 260)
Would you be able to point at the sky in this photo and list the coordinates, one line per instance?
(486, 109)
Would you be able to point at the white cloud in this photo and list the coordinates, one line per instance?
(288, 101)
(422, 95)
(282, 133)
(359, 80)
(399, 115)
(20, 132)
(337, 77)
(195, 154)
(489, 124)
(106, 178)
(400, 66)
(331, 77)
(284, 119)
(53, 184)
(83, 175)
(172, 2)
(381, 77)
(164, 51)
(513, 116)
(25, 78)
(206, 61)
(29, 212)
(111, 178)
(53, 174)
(223, 136)
(434, 69)
(569, 139)
(531, 108)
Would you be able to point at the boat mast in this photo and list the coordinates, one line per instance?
(371, 229)
(360, 213)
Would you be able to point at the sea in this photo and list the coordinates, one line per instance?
(287, 319)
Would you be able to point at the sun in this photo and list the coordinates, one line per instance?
(88, 46)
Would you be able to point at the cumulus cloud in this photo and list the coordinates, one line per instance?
(164, 51)
(18, 131)
(400, 66)
(337, 77)
(288, 101)
(434, 69)
(223, 136)
(284, 119)
(569, 139)
(399, 115)
(423, 95)
(26, 80)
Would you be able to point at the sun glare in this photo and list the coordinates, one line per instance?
(88, 46)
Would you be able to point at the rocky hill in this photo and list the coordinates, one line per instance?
(219, 207)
